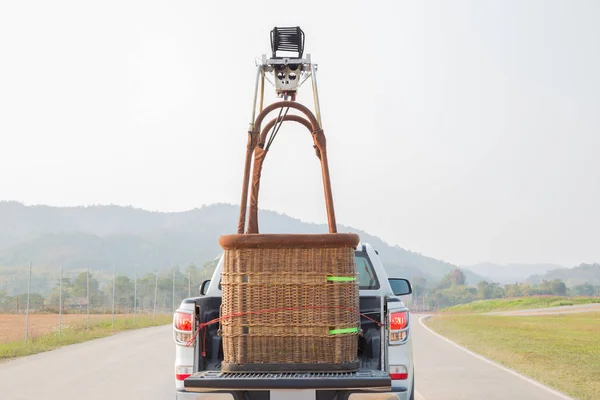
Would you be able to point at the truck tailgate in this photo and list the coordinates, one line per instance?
(208, 381)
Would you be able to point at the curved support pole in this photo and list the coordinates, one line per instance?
(281, 104)
(259, 156)
(269, 125)
(295, 118)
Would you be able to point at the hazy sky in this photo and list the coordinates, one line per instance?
(463, 130)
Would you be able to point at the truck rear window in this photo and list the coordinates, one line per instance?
(367, 279)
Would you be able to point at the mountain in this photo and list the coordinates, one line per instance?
(509, 273)
(585, 273)
(101, 236)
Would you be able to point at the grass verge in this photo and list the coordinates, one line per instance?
(561, 351)
(77, 334)
(521, 303)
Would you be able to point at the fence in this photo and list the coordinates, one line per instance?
(35, 301)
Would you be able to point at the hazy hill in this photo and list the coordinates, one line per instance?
(585, 273)
(101, 236)
(510, 273)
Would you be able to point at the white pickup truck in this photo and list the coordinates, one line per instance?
(385, 348)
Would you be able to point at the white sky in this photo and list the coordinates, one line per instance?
(463, 130)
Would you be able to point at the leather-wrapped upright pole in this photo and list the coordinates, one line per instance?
(252, 141)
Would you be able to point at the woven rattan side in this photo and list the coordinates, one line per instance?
(289, 306)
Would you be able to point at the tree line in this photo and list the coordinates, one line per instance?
(453, 289)
(162, 290)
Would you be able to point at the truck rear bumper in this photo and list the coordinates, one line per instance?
(361, 385)
(363, 380)
(400, 393)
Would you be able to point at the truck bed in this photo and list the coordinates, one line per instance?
(209, 381)
(210, 378)
(207, 309)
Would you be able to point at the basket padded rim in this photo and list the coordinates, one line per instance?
(288, 241)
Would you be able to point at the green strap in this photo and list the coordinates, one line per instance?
(343, 330)
(341, 278)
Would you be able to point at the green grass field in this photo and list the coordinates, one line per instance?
(520, 303)
(78, 333)
(561, 351)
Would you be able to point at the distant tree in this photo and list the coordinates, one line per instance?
(487, 290)
(36, 301)
(124, 293)
(484, 290)
(452, 296)
(79, 289)
(4, 301)
(586, 289)
(79, 286)
(419, 286)
(544, 288)
(444, 283)
(55, 297)
(208, 269)
(192, 279)
(146, 291)
(458, 278)
(454, 278)
(513, 290)
(559, 288)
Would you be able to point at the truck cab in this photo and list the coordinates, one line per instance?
(385, 347)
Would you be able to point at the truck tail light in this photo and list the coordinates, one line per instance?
(183, 321)
(398, 372)
(182, 372)
(398, 320)
(183, 324)
(398, 327)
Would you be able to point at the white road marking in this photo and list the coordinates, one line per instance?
(487, 360)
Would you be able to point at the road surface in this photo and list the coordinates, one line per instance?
(129, 366)
(139, 365)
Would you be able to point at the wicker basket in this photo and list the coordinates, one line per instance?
(290, 302)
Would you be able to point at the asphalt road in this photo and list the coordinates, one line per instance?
(139, 365)
(128, 366)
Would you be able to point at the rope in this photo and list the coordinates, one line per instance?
(204, 325)
(273, 129)
(277, 125)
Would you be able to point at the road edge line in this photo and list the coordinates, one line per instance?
(487, 360)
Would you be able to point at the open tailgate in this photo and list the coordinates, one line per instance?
(209, 381)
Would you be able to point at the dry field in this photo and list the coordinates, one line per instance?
(12, 327)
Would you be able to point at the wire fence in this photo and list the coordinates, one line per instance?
(36, 301)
